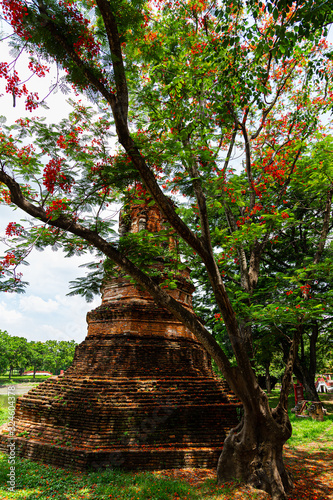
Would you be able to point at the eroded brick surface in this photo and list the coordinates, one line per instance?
(140, 393)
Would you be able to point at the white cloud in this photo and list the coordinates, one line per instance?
(49, 332)
(65, 318)
(32, 303)
(8, 316)
(45, 312)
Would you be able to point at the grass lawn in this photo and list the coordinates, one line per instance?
(307, 430)
(16, 379)
(309, 456)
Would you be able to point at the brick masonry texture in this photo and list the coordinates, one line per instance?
(140, 394)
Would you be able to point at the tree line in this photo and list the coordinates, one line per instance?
(17, 354)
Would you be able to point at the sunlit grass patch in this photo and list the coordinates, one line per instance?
(307, 430)
(3, 415)
(37, 481)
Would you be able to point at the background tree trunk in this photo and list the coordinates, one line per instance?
(307, 380)
(268, 378)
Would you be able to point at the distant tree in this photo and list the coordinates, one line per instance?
(3, 357)
(59, 355)
(14, 352)
(36, 355)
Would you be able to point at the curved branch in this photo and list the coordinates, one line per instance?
(200, 196)
(270, 107)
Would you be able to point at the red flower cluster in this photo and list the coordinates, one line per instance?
(51, 173)
(8, 261)
(70, 140)
(38, 69)
(15, 12)
(305, 288)
(5, 196)
(32, 101)
(86, 39)
(140, 190)
(15, 88)
(13, 229)
(56, 206)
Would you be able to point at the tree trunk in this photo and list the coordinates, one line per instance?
(252, 452)
(306, 379)
(268, 378)
(305, 375)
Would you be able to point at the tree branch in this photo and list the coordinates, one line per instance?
(116, 55)
(288, 372)
(326, 226)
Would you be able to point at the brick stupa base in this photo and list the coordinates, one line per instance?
(140, 393)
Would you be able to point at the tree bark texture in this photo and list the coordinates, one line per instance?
(252, 452)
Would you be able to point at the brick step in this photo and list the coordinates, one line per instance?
(73, 440)
(130, 458)
(139, 396)
(115, 395)
(120, 385)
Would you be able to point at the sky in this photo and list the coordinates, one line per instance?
(44, 312)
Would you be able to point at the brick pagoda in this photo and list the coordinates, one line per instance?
(140, 393)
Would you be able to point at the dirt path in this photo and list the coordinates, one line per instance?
(19, 388)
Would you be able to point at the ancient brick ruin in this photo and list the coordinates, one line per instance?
(140, 393)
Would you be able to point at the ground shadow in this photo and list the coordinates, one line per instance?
(312, 473)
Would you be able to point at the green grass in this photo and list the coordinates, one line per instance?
(4, 380)
(36, 481)
(3, 415)
(307, 430)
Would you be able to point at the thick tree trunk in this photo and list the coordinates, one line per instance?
(252, 452)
